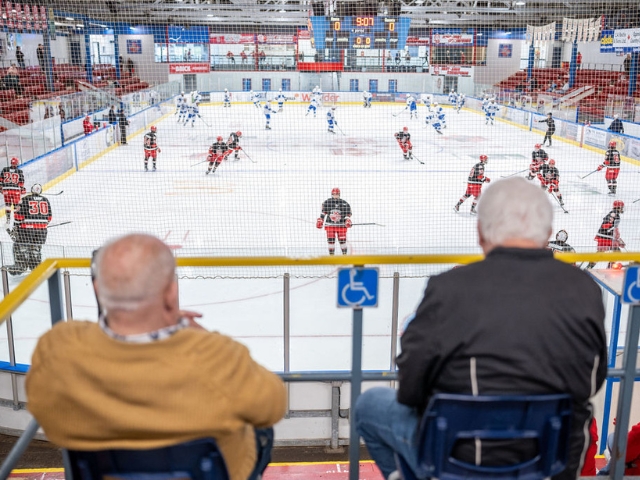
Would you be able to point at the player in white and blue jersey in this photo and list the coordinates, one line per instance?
(313, 106)
(194, 112)
(184, 110)
(179, 101)
(366, 99)
(490, 111)
(227, 98)
(453, 97)
(255, 98)
(413, 107)
(196, 98)
(439, 111)
(280, 98)
(460, 102)
(267, 110)
(433, 120)
(331, 119)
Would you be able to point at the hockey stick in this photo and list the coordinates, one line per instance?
(58, 224)
(57, 193)
(206, 160)
(561, 206)
(243, 151)
(396, 114)
(590, 173)
(378, 224)
(420, 161)
(341, 130)
(507, 176)
(204, 121)
(638, 200)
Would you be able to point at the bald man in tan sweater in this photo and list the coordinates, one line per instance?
(147, 375)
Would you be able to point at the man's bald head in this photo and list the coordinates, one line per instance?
(132, 272)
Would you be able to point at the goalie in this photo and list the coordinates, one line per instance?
(32, 217)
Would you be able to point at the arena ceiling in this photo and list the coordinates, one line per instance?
(291, 13)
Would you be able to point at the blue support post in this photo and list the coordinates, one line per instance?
(48, 64)
(573, 64)
(356, 385)
(87, 53)
(532, 57)
(633, 73)
(116, 51)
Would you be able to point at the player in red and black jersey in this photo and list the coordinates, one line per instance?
(538, 158)
(608, 236)
(29, 233)
(217, 153)
(151, 148)
(233, 144)
(404, 141)
(612, 162)
(12, 179)
(474, 184)
(336, 216)
(549, 177)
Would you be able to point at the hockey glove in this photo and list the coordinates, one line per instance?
(23, 190)
(347, 223)
(159, 151)
(600, 167)
(487, 179)
(319, 223)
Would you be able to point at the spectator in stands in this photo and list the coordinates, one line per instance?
(111, 116)
(407, 58)
(11, 80)
(262, 56)
(147, 374)
(520, 291)
(533, 84)
(123, 123)
(40, 54)
(565, 87)
(626, 63)
(87, 125)
(61, 112)
(130, 67)
(616, 125)
(579, 60)
(398, 58)
(632, 458)
(552, 87)
(463, 58)
(231, 58)
(243, 57)
(20, 57)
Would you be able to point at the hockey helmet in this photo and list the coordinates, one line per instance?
(612, 144)
(618, 205)
(153, 128)
(537, 146)
(335, 191)
(36, 188)
(549, 114)
(219, 138)
(405, 129)
(552, 163)
(562, 236)
(483, 158)
(226, 90)
(435, 104)
(182, 92)
(239, 133)
(333, 108)
(616, 116)
(15, 162)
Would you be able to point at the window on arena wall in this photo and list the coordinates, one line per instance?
(354, 85)
(447, 55)
(189, 52)
(161, 53)
(286, 85)
(393, 86)
(246, 84)
(266, 84)
(373, 85)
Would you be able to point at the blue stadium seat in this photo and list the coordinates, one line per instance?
(196, 460)
(452, 424)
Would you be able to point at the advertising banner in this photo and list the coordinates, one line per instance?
(231, 38)
(595, 137)
(276, 39)
(456, 39)
(450, 70)
(189, 68)
(606, 42)
(626, 40)
(418, 41)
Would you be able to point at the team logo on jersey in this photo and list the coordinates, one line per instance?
(335, 216)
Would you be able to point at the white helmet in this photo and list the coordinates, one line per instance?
(279, 89)
(182, 92)
(562, 236)
(36, 188)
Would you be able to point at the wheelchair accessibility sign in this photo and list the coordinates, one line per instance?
(631, 289)
(358, 287)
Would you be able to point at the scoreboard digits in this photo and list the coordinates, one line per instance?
(363, 32)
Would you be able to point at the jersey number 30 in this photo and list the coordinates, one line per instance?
(36, 208)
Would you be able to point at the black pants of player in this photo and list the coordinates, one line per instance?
(27, 249)
(123, 135)
(547, 136)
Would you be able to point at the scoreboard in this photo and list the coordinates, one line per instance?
(363, 32)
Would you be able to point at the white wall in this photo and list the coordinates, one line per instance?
(145, 67)
(499, 68)
(591, 54)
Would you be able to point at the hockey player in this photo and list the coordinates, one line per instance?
(196, 98)
(336, 216)
(460, 102)
(560, 243)
(366, 99)
(255, 98)
(474, 185)
(331, 119)
(490, 111)
(151, 148)
(227, 99)
(179, 101)
(608, 236)
(550, 180)
(439, 111)
(612, 162)
(404, 140)
(268, 110)
(453, 97)
(217, 153)
(184, 111)
(413, 107)
(432, 119)
(194, 111)
(233, 145)
(317, 94)
(551, 128)
(485, 102)
(313, 106)
(538, 158)
(280, 98)
(12, 179)
(29, 233)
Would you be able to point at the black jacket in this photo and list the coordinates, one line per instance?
(519, 322)
(617, 126)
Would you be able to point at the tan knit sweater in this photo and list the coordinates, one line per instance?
(90, 392)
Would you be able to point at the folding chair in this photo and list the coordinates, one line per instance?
(195, 460)
(538, 426)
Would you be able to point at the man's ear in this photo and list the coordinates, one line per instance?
(171, 296)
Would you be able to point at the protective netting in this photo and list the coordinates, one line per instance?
(260, 110)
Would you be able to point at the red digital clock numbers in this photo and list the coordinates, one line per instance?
(363, 21)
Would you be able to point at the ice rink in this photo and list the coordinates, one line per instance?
(268, 206)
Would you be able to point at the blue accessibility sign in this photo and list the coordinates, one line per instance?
(357, 287)
(631, 289)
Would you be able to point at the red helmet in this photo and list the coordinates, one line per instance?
(538, 146)
(15, 162)
(335, 191)
(219, 138)
(153, 128)
(552, 163)
(612, 144)
(239, 133)
(405, 129)
(618, 204)
(483, 158)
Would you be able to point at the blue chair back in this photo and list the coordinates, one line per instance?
(195, 460)
(528, 435)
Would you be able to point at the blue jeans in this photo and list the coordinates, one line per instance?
(387, 427)
(264, 445)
